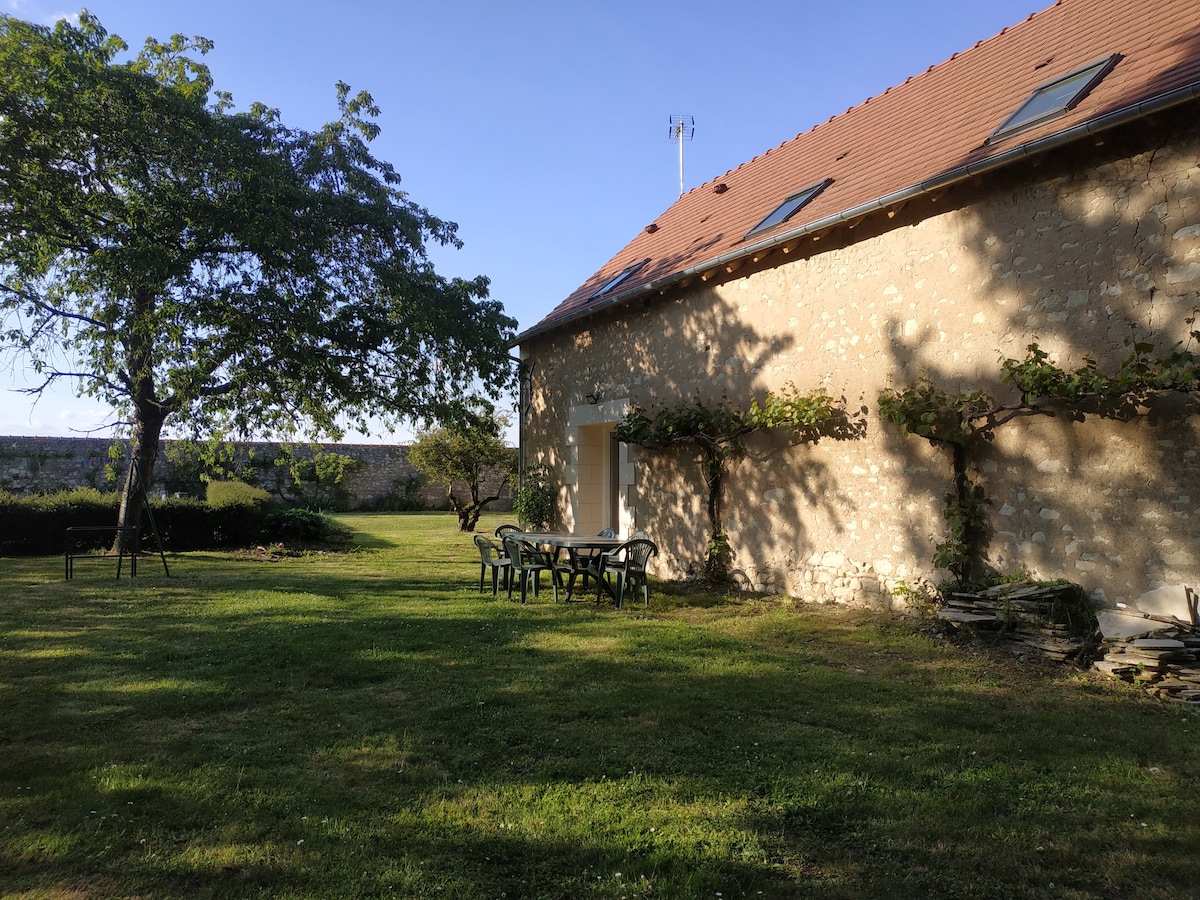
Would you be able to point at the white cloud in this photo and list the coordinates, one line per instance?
(32, 11)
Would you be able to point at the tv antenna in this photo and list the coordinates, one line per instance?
(683, 128)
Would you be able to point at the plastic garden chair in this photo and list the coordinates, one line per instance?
(627, 564)
(491, 557)
(526, 564)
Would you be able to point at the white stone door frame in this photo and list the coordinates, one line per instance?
(588, 415)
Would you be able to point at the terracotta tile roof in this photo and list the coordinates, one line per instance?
(927, 132)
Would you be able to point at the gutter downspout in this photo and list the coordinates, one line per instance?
(939, 182)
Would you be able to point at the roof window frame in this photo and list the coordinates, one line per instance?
(1015, 123)
(792, 204)
(617, 279)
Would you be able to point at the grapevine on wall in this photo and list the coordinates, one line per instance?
(954, 420)
(718, 433)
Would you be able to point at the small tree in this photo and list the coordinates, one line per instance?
(323, 470)
(466, 453)
(534, 502)
(952, 421)
(958, 421)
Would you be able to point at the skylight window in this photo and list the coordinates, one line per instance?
(618, 278)
(1055, 97)
(789, 207)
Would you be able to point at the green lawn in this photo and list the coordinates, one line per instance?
(367, 725)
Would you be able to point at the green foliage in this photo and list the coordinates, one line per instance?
(231, 493)
(935, 414)
(949, 419)
(535, 503)
(218, 268)
(1138, 375)
(195, 463)
(310, 475)
(807, 416)
(408, 496)
(302, 526)
(36, 525)
(466, 453)
(955, 418)
(966, 517)
(318, 473)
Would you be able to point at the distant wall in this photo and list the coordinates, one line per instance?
(50, 464)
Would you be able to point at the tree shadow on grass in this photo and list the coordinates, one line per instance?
(288, 742)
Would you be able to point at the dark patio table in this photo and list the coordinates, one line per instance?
(573, 544)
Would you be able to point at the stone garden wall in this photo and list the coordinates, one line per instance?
(384, 479)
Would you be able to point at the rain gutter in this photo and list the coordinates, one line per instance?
(939, 182)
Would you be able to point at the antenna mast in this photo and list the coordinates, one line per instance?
(683, 128)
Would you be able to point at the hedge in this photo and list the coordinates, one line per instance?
(36, 525)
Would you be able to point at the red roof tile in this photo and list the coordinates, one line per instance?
(932, 128)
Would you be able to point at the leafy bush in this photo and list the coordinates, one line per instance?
(236, 515)
(303, 526)
(182, 523)
(534, 502)
(220, 494)
(237, 512)
(407, 497)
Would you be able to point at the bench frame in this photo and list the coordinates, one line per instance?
(80, 544)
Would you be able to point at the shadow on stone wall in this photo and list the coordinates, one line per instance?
(1098, 250)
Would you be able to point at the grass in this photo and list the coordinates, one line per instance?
(366, 724)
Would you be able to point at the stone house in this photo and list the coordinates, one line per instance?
(1043, 185)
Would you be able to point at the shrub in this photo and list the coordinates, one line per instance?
(302, 526)
(535, 503)
(37, 525)
(238, 513)
(219, 494)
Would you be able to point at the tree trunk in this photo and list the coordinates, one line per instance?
(716, 562)
(962, 494)
(149, 412)
(468, 517)
(146, 431)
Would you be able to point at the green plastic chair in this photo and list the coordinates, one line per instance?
(627, 564)
(526, 564)
(492, 557)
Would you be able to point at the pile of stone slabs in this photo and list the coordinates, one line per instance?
(1044, 620)
(1159, 652)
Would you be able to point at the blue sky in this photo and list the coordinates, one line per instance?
(542, 128)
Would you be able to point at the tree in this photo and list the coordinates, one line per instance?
(191, 264)
(469, 453)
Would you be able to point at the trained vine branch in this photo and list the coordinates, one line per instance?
(955, 419)
(718, 432)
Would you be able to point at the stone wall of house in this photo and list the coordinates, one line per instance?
(1080, 252)
(49, 464)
